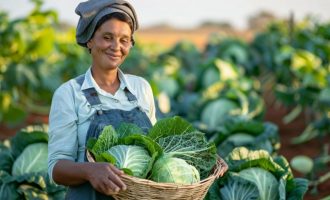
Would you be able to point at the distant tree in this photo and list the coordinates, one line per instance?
(223, 25)
(261, 20)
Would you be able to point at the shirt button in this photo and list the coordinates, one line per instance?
(116, 100)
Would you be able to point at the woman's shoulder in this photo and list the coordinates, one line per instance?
(135, 80)
(68, 87)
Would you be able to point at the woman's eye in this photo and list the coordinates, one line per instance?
(124, 41)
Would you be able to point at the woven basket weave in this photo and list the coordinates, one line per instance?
(143, 189)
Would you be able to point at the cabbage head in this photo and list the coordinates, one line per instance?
(134, 158)
(32, 159)
(174, 170)
(214, 114)
(265, 181)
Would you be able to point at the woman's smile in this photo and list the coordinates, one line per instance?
(113, 56)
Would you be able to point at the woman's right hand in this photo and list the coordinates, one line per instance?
(105, 178)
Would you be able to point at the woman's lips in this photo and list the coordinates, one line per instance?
(113, 56)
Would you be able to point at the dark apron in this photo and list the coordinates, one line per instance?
(99, 120)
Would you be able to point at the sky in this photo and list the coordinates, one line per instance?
(188, 13)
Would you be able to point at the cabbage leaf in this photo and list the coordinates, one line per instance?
(193, 148)
(32, 159)
(134, 158)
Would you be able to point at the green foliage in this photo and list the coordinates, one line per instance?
(254, 135)
(107, 139)
(266, 183)
(298, 57)
(35, 59)
(33, 159)
(251, 171)
(170, 126)
(216, 112)
(193, 148)
(246, 191)
(23, 168)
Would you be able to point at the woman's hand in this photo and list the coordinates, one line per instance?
(105, 178)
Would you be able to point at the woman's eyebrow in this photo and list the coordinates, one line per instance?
(112, 34)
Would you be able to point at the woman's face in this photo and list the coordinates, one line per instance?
(110, 44)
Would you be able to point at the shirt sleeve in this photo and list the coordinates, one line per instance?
(63, 140)
(151, 101)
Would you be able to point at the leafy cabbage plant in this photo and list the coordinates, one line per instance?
(254, 174)
(23, 168)
(215, 113)
(32, 159)
(265, 181)
(252, 134)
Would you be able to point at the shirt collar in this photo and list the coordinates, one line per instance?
(89, 81)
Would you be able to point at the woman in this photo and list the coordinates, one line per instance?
(104, 95)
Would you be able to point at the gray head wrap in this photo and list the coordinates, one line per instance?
(92, 11)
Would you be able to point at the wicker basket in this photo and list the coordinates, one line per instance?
(141, 189)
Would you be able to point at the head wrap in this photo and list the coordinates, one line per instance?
(92, 11)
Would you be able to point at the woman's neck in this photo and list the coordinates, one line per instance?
(107, 80)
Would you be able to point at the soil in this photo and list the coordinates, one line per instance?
(7, 131)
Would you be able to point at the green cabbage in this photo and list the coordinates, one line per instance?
(33, 159)
(131, 157)
(237, 188)
(136, 153)
(215, 113)
(255, 174)
(174, 170)
(267, 184)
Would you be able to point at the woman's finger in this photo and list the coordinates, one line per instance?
(116, 180)
(110, 187)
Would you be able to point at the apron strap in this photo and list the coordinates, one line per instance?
(89, 93)
(92, 96)
(129, 95)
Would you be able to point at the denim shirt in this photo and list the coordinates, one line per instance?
(70, 113)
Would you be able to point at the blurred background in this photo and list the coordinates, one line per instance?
(250, 73)
(188, 14)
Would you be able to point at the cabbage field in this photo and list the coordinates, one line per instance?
(264, 104)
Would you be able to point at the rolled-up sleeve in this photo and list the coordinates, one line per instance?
(152, 108)
(147, 99)
(63, 140)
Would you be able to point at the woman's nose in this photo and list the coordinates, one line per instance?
(115, 44)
